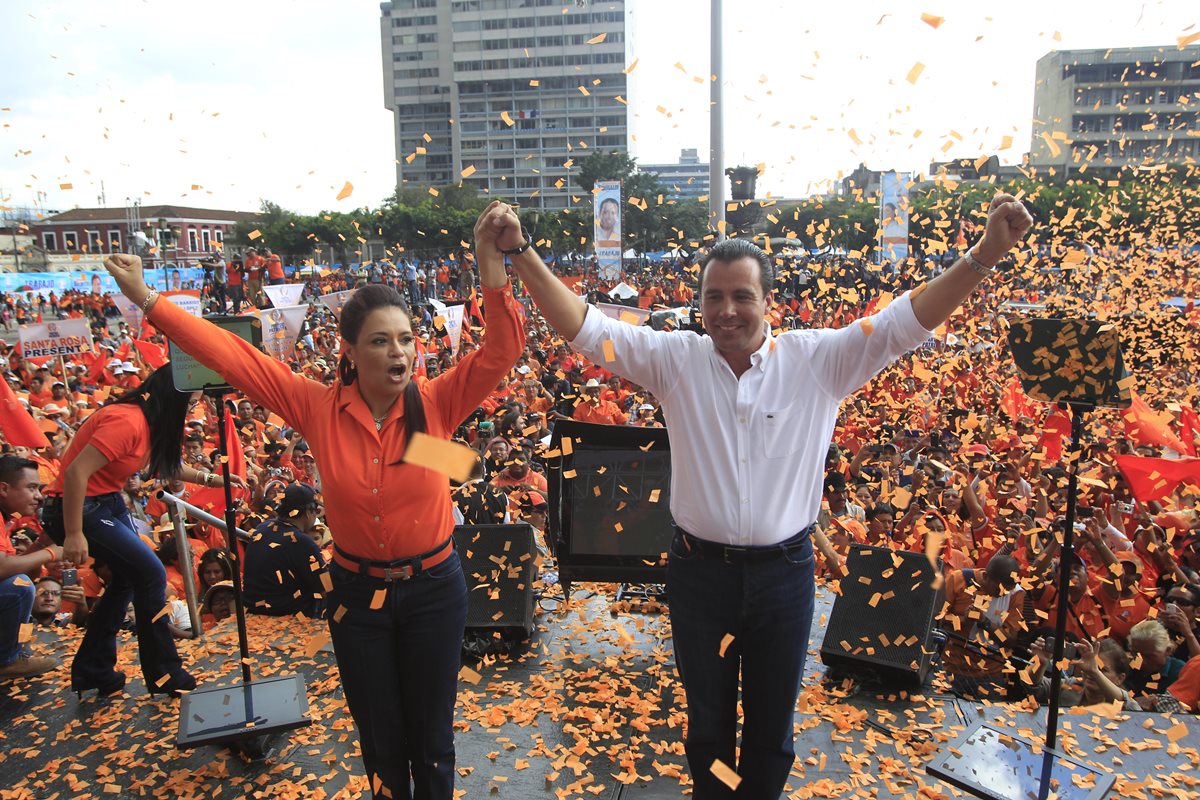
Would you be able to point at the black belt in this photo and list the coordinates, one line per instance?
(399, 570)
(745, 555)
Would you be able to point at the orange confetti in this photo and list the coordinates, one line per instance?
(724, 774)
(347, 190)
(597, 39)
(915, 72)
(468, 171)
(726, 640)
(378, 599)
(932, 20)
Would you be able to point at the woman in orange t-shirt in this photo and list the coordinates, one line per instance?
(85, 512)
(397, 609)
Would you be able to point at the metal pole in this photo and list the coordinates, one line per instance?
(184, 550)
(716, 136)
(200, 514)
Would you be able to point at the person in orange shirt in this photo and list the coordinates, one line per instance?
(591, 408)
(399, 599)
(85, 512)
(274, 266)
(254, 264)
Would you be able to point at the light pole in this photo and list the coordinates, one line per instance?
(716, 135)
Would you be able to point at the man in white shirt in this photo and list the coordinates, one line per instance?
(758, 412)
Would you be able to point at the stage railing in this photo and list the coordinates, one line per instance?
(178, 509)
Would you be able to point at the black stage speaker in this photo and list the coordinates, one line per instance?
(499, 562)
(609, 494)
(882, 621)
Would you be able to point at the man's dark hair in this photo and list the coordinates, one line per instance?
(732, 250)
(12, 466)
(608, 200)
(880, 508)
(1003, 570)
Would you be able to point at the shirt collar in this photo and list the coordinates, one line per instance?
(758, 357)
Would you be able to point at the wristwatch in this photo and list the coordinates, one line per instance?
(516, 251)
(977, 265)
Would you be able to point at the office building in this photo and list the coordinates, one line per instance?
(687, 179)
(505, 95)
(1114, 108)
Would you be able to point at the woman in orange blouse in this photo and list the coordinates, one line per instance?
(85, 512)
(397, 610)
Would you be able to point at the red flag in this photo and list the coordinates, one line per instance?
(1189, 428)
(17, 424)
(1152, 479)
(1014, 402)
(212, 498)
(151, 353)
(1146, 427)
(419, 370)
(1056, 429)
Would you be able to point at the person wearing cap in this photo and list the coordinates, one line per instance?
(645, 417)
(218, 602)
(478, 502)
(284, 568)
(398, 606)
(759, 411)
(533, 509)
(591, 408)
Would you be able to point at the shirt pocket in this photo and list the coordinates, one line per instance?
(781, 433)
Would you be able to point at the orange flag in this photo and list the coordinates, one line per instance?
(212, 498)
(17, 425)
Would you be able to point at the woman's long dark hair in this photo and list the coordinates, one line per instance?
(166, 409)
(354, 315)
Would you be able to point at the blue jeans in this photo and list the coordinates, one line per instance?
(399, 665)
(137, 575)
(16, 604)
(767, 607)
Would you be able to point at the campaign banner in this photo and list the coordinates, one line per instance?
(284, 294)
(64, 337)
(187, 300)
(634, 316)
(334, 302)
(606, 233)
(893, 216)
(281, 329)
(96, 281)
(451, 317)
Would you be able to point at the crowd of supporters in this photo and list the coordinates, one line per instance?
(941, 454)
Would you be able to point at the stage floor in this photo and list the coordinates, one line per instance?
(591, 708)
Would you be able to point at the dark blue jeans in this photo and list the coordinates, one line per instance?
(137, 575)
(16, 604)
(767, 607)
(399, 665)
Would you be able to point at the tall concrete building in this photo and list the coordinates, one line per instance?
(688, 178)
(503, 94)
(1116, 108)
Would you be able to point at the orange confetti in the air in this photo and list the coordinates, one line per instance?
(853, 134)
(632, 66)
(1184, 41)
(347, 190)
(932, 20)
(726, 640)
(65, 186)
(254, 234)
(724, 774)
(507, 118)
(597, 39)
(915, 72)
(468, 171)
(378, 599)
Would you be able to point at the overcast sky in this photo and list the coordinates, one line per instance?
(222, 103)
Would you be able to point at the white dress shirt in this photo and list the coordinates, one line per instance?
(748, 455)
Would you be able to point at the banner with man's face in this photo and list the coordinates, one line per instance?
(607, 231)
(893, 216)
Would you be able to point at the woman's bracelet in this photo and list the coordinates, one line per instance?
(149, 299)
